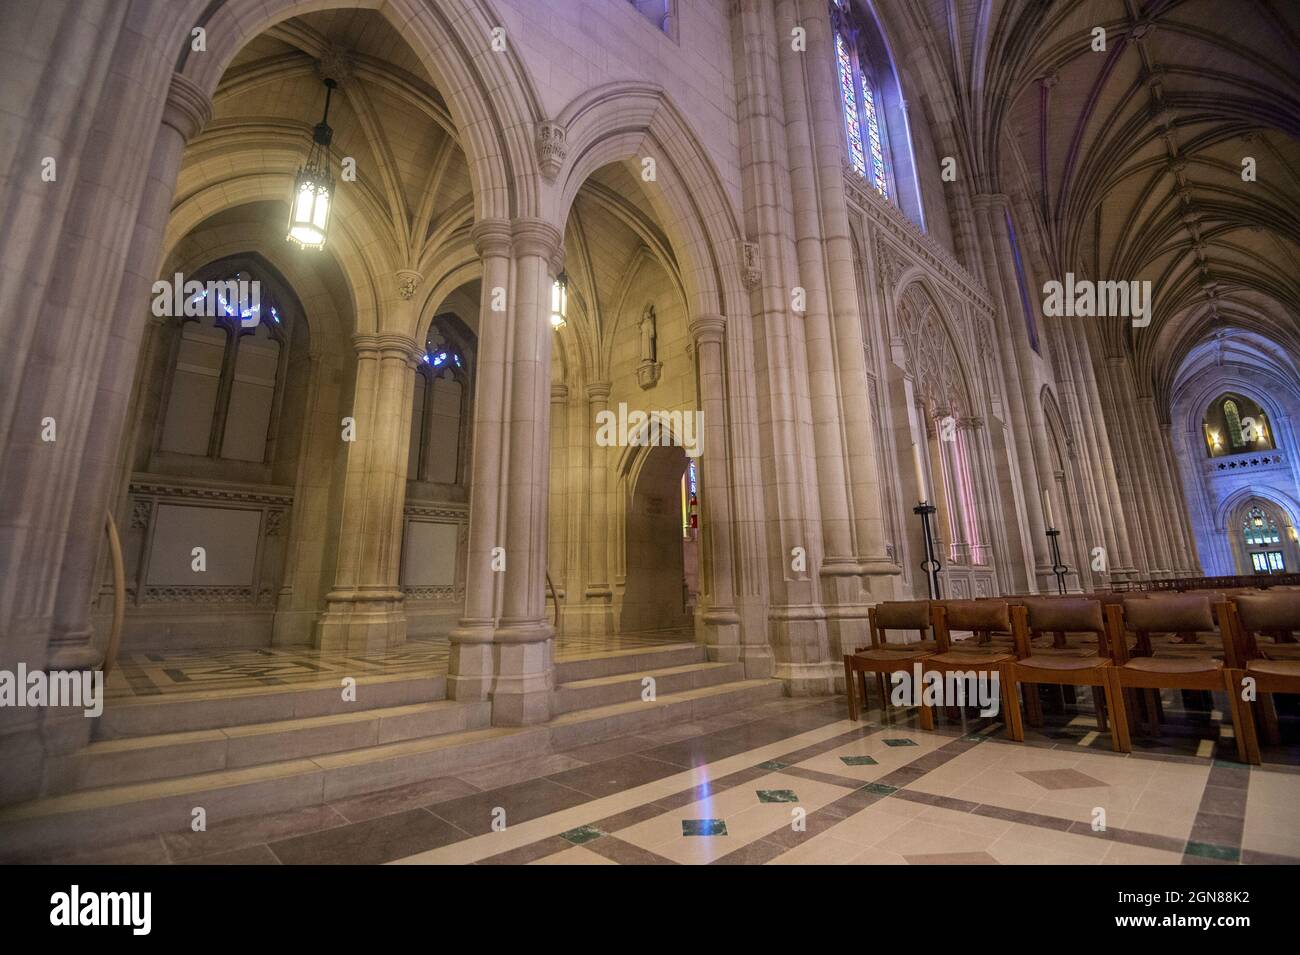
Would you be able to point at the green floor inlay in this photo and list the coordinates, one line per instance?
(1208, 850)
(902, 741)
(773, 764)
(776, 795)
(858, 761)
(704, 827)
(582, 834)
(880, 789)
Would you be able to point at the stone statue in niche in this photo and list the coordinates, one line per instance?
(647, 372)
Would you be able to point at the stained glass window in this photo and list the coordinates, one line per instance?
(853, 123)
(873, 137)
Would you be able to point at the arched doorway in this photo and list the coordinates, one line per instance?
(1263, 538)
(657, 592)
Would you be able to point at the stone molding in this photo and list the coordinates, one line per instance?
(707, 329)
(536, 237)
(188, 109)
(491, 237)
(388, 345)
(408, 280)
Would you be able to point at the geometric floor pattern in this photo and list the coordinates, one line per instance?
(154, 672)
(794, 781)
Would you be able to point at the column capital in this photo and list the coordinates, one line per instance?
(188, 108)
(388, 345)
(707, 329)
(536, 237)
(559, 392)
(598, 391)
(491, 237)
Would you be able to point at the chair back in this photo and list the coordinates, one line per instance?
(898, 615)
(1274, 612)
(981, 617)
(1168, 613)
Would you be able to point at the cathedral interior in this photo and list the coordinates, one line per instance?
(600, 410)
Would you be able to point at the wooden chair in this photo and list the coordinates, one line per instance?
(1165, 613)
(1272, 613)
(1060, 662)
(884, 657)
(977, 616)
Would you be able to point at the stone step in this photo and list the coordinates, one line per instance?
(629, 661)
(167, 755)
(627, 687)
(112, 814)
(217, 709)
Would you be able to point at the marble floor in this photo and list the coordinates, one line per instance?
(155, 672)
(794, 781)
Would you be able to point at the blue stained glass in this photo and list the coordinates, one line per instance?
(873, 136)
(851, 120)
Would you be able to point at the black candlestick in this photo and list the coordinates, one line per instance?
(1059, 569)
(931, 564)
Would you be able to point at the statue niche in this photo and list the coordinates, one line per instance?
(647, 372)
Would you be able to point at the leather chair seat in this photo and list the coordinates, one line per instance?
(1060, 661)
(1183, 664)
(890, 656)
(971, 658)
(1289, 668)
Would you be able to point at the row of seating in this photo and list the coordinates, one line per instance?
(1245, 581)
(1126, 647)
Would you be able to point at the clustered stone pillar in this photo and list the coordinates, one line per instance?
(506, 654)
(364, 610)
(717, 586)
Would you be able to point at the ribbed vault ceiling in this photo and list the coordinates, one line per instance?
(1132, 158)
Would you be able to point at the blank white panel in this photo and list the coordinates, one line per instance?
(429, 554)
(252, 396)
(229, 536)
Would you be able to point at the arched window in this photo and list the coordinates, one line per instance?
(1235, 424)
(860, 98)
(439, 419)
(227, 371)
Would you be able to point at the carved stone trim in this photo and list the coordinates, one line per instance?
(209, 493)
(551, 148)
(886, 217)
(449, 511)
(751, 269)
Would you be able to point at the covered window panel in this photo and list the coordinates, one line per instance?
(196, 383)
(444, 437)
(252, 396)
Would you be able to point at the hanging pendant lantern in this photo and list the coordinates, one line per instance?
(559, 301)
(313, 187)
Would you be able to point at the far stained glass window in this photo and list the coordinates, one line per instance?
(873, 137)
(853, 124)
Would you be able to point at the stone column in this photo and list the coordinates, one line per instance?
(558, 517)
(364, 610)
(1027, 427)
(472, 666)
(717, 613)
(524, 637)
(597, 536)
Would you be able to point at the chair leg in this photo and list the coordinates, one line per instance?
(1108, 692)
(1268, 730)
(882, 684)
(1121, 738)
(850, 687)
(1101, 707)
(1011, 704)
(1033, 704)
(1243, 723)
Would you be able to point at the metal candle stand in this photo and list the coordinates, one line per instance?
(931, 564)
(1059, 569)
